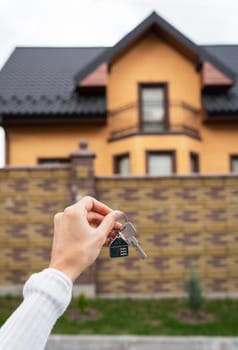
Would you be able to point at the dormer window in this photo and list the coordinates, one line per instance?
(153, 107)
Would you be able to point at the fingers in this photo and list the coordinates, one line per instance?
(95, 220)
(107, 225)
(89, 207)
(92, 204)
(93, 214)
(109, 239)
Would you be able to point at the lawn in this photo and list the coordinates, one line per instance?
(140, 317)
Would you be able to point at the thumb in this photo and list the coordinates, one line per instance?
(108, 223)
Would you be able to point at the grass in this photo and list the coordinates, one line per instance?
(141, 317)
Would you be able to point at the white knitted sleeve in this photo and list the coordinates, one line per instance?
(46, 296)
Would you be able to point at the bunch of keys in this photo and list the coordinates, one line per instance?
(125, 236)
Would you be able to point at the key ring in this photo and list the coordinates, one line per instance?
(126, 220)
(125, 217)
(119, 230)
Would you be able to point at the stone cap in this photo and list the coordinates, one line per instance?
(82, 151)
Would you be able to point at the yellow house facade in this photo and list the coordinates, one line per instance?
(155, 103)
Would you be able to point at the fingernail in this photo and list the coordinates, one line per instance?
(118, 214)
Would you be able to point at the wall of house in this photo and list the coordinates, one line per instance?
(179, 220)
(219, 141)
(28, 143)
(159, 62)
(137, 146)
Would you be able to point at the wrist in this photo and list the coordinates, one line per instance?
(66, 270)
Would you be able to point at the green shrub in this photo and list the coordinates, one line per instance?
(82, 302)
(194, 291)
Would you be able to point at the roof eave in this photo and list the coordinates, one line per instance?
(222, 117)
(38, 118)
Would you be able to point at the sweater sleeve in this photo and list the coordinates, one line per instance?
(46, 296)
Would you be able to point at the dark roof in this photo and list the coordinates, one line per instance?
(40, 81)
(165, 29)
(223, 103)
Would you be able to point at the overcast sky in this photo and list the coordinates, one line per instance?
(104, 22)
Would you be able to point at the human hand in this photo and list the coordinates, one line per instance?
(79, 234)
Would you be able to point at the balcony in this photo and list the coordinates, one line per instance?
(182, 119)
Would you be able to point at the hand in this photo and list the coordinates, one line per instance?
(79, 234)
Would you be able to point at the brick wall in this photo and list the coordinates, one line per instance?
(179, 220)
(28, 200)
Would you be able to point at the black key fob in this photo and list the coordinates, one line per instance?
(118, 248)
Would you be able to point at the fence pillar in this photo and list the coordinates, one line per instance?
(82, 172)
(82, 184)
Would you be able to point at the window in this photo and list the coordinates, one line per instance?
(234, 163)
(161, 163)
(2, 147)
(122, 164)
(194, 162)
(153, 106)
(53, 161)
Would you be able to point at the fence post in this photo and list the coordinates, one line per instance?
(82, 172)
(82, 184)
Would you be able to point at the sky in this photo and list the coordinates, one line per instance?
(78, 23)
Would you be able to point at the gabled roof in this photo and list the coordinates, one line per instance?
(39, 81)
(166, 30)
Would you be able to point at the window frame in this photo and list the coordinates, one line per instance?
(53, 161)
(197, 156)
(118, 157)
(232, 157)
(154, 85)
(172, 153)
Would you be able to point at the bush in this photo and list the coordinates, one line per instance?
(194, 291)
(82, 302)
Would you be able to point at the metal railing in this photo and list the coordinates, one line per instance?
(183, 118)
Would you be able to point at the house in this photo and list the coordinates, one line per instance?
(155, 103)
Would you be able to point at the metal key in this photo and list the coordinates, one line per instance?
(127, 232)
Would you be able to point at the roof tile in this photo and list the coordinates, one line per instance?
(40, 80)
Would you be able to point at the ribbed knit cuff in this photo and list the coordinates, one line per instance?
(52, 284)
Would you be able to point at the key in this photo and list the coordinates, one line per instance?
(127, 232)
(118, 247)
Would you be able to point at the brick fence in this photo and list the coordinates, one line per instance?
(180, 220)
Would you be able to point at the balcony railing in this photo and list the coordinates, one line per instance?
(183, 119)
(173, 129)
